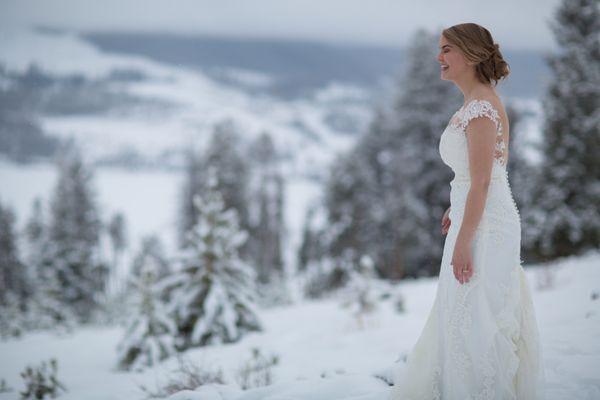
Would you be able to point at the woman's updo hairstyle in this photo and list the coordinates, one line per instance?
(477, 45)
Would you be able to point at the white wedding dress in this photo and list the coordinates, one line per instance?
(481, 338)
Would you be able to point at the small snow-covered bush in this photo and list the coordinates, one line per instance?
(257, 371)
(149, 337)
(359, 295)
(187, 376)
(41, 381)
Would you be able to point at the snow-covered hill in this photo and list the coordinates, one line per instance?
(154, 112)
(177, 106)
(324, 355)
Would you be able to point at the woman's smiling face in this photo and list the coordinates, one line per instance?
(452, 61)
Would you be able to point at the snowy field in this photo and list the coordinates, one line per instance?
(324, 354)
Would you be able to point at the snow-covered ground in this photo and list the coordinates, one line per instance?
(323, 353)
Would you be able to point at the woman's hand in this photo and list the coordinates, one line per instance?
(446, 222)
(462, 264)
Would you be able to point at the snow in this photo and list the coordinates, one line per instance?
(148, 199)
(314, 338)
(189, 104)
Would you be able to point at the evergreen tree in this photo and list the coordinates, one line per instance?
(388, 194)
(420, 189)
(566, 219)
(35, 234)
(224, 154)
(45, 309)
(267, 224)
(351, 222)
(312, 246)
(74, 263)
(13, 280)
(152, 254)
(192, 186)
(150, 335)
(212, 294)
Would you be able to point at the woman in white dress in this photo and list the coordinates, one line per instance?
(481, 338)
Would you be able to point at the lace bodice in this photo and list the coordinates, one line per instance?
(453, 142)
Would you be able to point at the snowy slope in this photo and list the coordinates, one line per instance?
(324, 356)
(300, 127)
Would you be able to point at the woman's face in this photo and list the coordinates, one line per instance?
(452, 62)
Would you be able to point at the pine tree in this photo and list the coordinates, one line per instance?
(150, 335)
(312, 246)
(387, 195)
(151, 253)
(566, 219)
(422, 110)
(45, 309)
(212, 294)
(13, 280)
(267, 224)
(223, 153)
(74, 263)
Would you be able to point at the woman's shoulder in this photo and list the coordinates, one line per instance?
(485, 104)
(489, 106)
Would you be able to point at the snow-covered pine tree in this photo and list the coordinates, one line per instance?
(192, 186)
(150, 334)
(225, 155)
(14, 286)
(354, 219)
(151, 252)
(388, 195)
(266, 216)
(566, 219)
(312, 246)
(212, 294)
(351, 227)
(74, 261)
(422, 110)
(45, 309)
(13, 277)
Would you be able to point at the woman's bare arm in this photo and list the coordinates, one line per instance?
(481, 141)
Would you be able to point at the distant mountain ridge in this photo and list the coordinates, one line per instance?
(299, 66)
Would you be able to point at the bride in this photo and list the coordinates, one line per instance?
(481, 339)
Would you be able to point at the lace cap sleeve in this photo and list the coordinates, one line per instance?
(479, 108)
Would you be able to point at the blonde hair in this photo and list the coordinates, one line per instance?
(477, 45)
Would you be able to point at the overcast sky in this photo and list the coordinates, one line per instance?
(521, 24)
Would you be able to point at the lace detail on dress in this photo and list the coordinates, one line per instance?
(481, 108)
